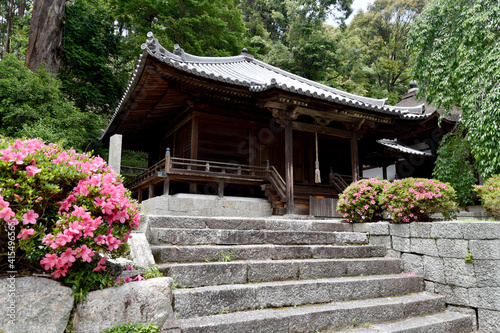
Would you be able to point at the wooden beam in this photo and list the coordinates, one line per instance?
(354, 157)
(178, 125)
(289, 166)
(194, 137)
(321, 129)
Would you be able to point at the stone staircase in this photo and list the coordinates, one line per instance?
(290, 275)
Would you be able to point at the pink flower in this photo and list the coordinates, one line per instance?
(139, 278)
(30, 217)
(49, 261)
(25, 233)
(100, 265)
(129, 268)
(68, 256)
(32, 170)
(85, 253)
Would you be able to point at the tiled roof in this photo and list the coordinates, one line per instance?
(401, 148)
(244, 70)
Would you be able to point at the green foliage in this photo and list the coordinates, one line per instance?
(469, 258)
(92, 71)
(489, 193)
(199, 27)
(373, 58)
(457, 60)
(360, 201)
(152, 272)
(32, 104)
(131, 328)
(415, 199)
(454, 167)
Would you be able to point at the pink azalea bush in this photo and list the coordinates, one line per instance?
(70, 212)
(489, 193)
(360, 201)
(415, 199)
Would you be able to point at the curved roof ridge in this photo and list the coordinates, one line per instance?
(373, 101)
(153, 46)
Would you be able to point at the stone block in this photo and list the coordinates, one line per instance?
(272, 271)
(447, 230)
(420, 230)
(459, 273)
(351, 238)
(213, 300)
(485, 249)
(372, 266)
(378, 228)
(359, 227)
(453, 295)
(489, 321)
(393, 254)
(401, 244)
(424, 246)
(452, 248)
(434, 269)
(140, 251)
(321, 269)
(485, 298)
(481, 230)
(413, 263)
(142, 302)
(384, 241)
(199, 275)
(487, 273)
(400, 230)
(292, 293)
(34, 304)
(462, 309)
(430, 287)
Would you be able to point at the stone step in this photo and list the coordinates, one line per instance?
(304, 319)
(211, 253)
(192, 275)
(241, 237)
(443, 322)
(194, 222)
(206, 301)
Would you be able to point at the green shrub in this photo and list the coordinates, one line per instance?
(130, 328)
(415, 199)
(489, 193)
(360, 201)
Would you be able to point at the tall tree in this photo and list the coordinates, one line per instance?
(9, 27)
(381, 65)
(93, 71)
(456, 45)
(45, 36)
(200, 27)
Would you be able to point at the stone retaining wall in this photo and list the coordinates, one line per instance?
(206, 205)
(460, 260)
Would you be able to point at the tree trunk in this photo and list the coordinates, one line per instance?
(44, 45)
(9, 25)
(22, 8)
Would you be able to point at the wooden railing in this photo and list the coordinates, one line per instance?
(340, 182)
(180, 165)
(277, 182)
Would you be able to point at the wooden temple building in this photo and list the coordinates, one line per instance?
(238, 126)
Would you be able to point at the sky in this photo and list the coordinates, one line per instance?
(356, 6)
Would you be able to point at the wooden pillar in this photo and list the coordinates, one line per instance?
(166, 186)
(194, 146)
(289, 166)
(384, 172)
(354, 157)
(151, 191)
